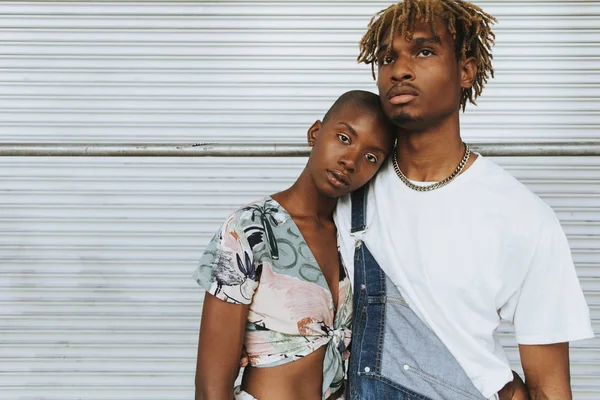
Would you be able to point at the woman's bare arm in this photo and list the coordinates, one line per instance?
(219, 348)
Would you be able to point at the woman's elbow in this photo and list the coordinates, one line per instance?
(212, 389)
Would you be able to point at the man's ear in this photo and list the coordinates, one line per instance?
(312, 133)
(468, 72)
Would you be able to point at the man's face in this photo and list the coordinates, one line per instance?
(419, 81)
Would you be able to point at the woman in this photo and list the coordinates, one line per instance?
(273, 277)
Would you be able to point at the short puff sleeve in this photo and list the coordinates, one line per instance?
(227, 269)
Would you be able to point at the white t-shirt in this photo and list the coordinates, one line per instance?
(481, 249)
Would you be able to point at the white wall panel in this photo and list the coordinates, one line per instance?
(96, 254)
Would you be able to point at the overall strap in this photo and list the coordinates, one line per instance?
(359, 209)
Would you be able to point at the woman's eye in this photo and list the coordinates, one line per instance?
(371, 158)
(426, 53)
(343, 138)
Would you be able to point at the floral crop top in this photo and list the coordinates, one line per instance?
(260, 258)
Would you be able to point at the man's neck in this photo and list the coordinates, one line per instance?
(432, 155)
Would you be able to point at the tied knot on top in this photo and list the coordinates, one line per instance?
(335, 367)
(340, 338)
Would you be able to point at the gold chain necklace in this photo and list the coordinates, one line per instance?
(436, 185)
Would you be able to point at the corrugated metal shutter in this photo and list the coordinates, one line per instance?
(96, 254)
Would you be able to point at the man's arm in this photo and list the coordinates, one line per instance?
(219, 348)
(547, 372)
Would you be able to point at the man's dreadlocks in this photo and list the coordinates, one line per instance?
(468, 24)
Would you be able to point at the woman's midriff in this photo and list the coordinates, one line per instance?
(298, 380)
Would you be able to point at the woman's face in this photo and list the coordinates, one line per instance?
(349, 148)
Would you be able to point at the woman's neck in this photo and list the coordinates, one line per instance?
(303, 200)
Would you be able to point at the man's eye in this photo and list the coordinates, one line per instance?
(343, 138)
(387, 60)
(426, 53)
(371, 158)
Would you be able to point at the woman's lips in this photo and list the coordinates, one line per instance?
(337, 179)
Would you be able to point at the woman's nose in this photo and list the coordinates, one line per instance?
(348, 162)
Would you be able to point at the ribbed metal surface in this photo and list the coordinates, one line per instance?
(96, 254)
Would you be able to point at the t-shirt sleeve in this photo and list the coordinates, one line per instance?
(551, 307)
(227, 268)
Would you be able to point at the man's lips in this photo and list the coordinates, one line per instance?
(337, 178)
(402, 94)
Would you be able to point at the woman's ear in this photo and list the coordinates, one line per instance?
(312, 133)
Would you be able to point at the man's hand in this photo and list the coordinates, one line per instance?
(244, 359)
(514, 390)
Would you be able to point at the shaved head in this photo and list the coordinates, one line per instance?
(364, 100)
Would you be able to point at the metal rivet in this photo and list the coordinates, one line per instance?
(362, 286)
(358, 244)
(367, 369)
(406, 367)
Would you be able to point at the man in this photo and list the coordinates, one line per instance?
(444, 244)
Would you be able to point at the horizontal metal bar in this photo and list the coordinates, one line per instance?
(153, 150)
(264, 150)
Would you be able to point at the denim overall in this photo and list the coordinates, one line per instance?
(394, 355)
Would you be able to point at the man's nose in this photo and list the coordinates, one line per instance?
(403, 70)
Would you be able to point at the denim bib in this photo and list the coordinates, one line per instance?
(394, 355)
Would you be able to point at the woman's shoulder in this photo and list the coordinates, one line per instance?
(258, 211)
(265, 213)
(259, 222)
